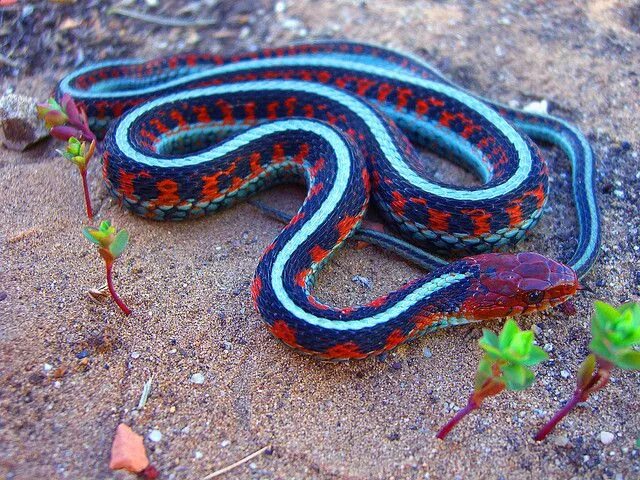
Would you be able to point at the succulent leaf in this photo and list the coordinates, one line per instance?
(119, 243)
(517, 377)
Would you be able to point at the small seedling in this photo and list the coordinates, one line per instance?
(79, 154)
(111, 243)
(614, 333)
(65, 119)
(504, 366)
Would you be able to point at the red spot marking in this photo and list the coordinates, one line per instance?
(202, 114)
(256, 288)
(515, 214)
(227, 112)
(384, 90)
(308, 111)
(398, 203)
(296, 218)
(403, 97)
(125, 180)
(480, 219)
(438, 220)
(158, 125)
(192, 59)
(177, 117)
(346, 225)
(539, 194)
(313, 191)
(319, 165)
(324, 76)
(284, 332)
(278, 153)
(343, 351)
(301, 277)
(378, 302)
(250, 113)
(317, 253)
(210, 189)
(147, 134)
(316, 303)
(173, 62)
(290, 105)
(254, 163)
(302, 153)
(168, 192)
(364, 84)
(394, 339)
(272, 110)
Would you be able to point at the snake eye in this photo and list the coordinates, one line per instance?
(535, 296)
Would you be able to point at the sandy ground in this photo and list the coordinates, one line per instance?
(189, 286)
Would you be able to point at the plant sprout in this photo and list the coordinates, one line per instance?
(505, 365)
(65, 119)
(111, 243)
(78, 154)
(614, 332)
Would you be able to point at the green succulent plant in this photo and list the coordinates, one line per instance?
(111, 243)
(505, 365)
(614, 334)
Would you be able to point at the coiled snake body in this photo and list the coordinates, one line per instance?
(197, 132)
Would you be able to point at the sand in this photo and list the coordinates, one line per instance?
(188, 284)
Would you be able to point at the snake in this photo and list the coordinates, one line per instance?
(188, 134)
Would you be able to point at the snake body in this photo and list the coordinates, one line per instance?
(197, 132)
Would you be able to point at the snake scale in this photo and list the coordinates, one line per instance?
(189, 134)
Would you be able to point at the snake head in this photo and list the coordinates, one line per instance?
(511, 284)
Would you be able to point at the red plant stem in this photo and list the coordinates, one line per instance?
(113, 293)
(471, 406)
(599, 379)
(87, 198)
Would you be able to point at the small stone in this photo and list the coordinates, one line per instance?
(19, 122)
(47, 367)
(606, 437)
(561, 441)
(564, 374)
(536, 329)
(127, 451)
(82, 354)
(618, 193)
(155, 435)
(253, 466)
(363, 281)
(198, 455)
(225, 443)
(427, 353)
(541, 107)
(135, 355)
(548, 347)
(172, 409)
(197, 378)
(280, 7)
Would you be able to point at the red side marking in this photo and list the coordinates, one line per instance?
(317, 253)
(346, 225)
(423, 321)
(290, 105)
(422, 107)
(319, 165)
(284, 332)
(202, 113)
(313, 191)
(485, 142)
(301, 277)
(398, 203)
(118, 108)
(147, 134)
(394, 339)
(272, 110)
(125, 180)
(343, 351)
(378, 302)
(192, 60)
(254, 163)
(168, 192)
(210, 189)
(250, 113)
(302, 153)
(324, 76)
(177, 117)
(438, 220)
(515, 214)
(173, 62)
(418, 201)
(384, 90)
(278, 153)
(227, 112)
(480, 220)
(539, 194)
(403, 97)
(306, 75)
(159, 126)
(256, 288)
(308, 111)
(364, 84)
(312, 300)
(341, 82)
(296, 218)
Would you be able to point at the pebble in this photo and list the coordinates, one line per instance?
(548, 347)
(564, 374)
(155, 435)
(225, 443)
(135, 355)
(19, 122)
(198, 455)
(197, 378)
(427, 353)
(82, 354)
(606, 437)
(47, 367)
(618, 193)
(541, 107)
(561, 441)
(363, 281)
